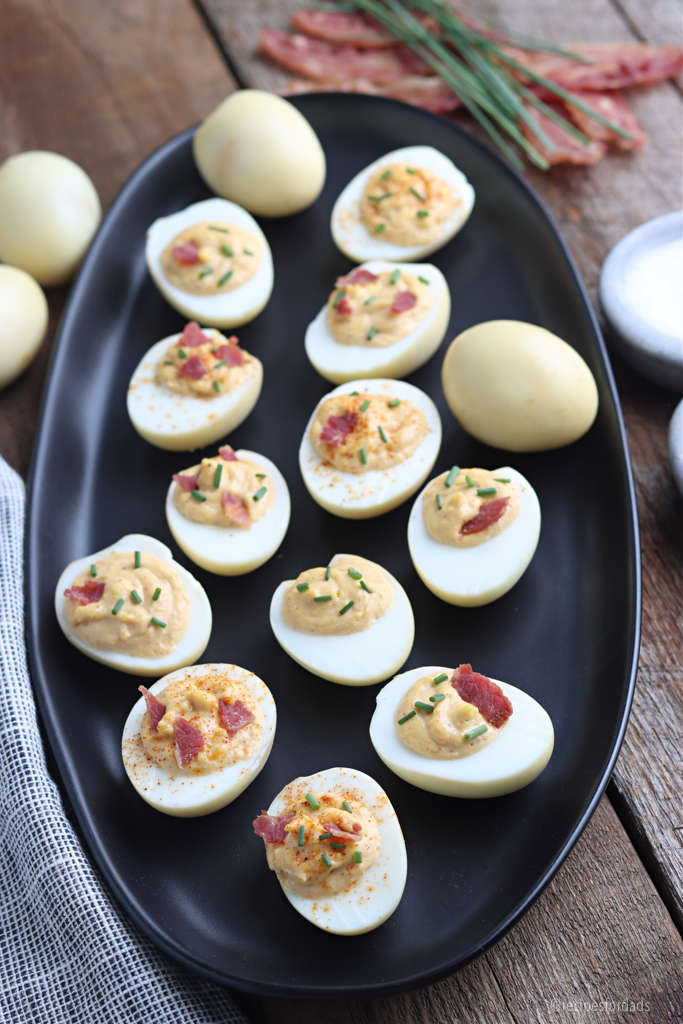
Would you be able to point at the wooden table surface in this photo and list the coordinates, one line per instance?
(106, 84)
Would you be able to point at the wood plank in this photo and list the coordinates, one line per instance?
(104, 84)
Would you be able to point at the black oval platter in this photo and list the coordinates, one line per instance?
(567, 633)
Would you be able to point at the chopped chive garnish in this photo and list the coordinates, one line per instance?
(346, 607)
(409, 170)
(441, 678)
(378, 199)
(223, 230)
(365, 405)
(93, 570)
(326, 860)
(327, 572)
(259, 494)
(136, 597)
(411, 714)
(206, 271)
(438, 502)
(423, 199)
(217, 365)
(338, 846)
(226, 251)
(371, 299)
(437, 697)
(345, 804)
(371, 334)
(473, 733)
(247, 252)
(138, 560)
(325, 835)
(379, 229)
(423, 279)
(452, 476)
(423, 213)
(117, 607)
(358, 856)
(323, 597)
(385, 175)
(213, 350)
(302, 835)
(382, 434)
(394, 402)
(224, 279)
(158, 622)
(338, 297)
(395, 276)
(217, 475)
(301, 587)
(217, 386)
(182, 353)
(424, 707)
(311, 800)
(168, 362)
(261, 476)
(352, 393)
(502, 479)
(354, 574)
(198, 496)
(363, 457)
(485, 491)
(365, 587)
(470, 481)
(157, 594)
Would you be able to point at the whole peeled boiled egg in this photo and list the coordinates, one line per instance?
(212, 262)
(23, 322)
(368, 446)
(336, 846)
(493, 740)
(192, 389)
(381, 320)
(472, 533)
(196, 767)
(519, 387)
(133, 607)
(404, 206)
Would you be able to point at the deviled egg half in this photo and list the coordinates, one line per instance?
(473, 532)
(336, 846)
(212, 262)
(458, 733)
(192, 389)
(368, 446)
(381, 320)
(198, 737)
(133, 607)
(404, 206)
(350, 622)
(230, 512)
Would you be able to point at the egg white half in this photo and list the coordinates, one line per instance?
(181, 423)
(478, 575)
(232, 551)
(514, 759)
(188, 796)
(190, 646)
(375, 896)
(340, 363)
(353, 238)
(229, 309)
(358, 659)
(377, 491)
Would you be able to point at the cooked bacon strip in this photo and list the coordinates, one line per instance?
(87, 593)
(343, 308)
(338, 428)
(614, 107)
(426, 91)
(227, 452)
(155, 709)
(403, 302)
(236, 510)
(272, 826)
(325, 61)
(357, 276)
(359, 29)
(193, 335)
(487, 696)
(567, 149)
(232, 353)
(489, 513)
(193, 368)
(343, 833)
(613, 65)
(234, 716)
(188, 481)
(189, 741)
(186, 253)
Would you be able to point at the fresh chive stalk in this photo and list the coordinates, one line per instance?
(382, 434)
(138, 560)
(301, 587)
(411, 714)
(259, 494)
(302, 835)
(217, 386)
(323, 597)
(394, 402)
(365, 404)
(437, 697)
(158, 622)
(117, 607)
(452, 476)
(217, 475)
(365, 587)
(369, 336)
(473, 733)
(326, 860)
(470, 481)
(483, 492)
(424, 707)
(345, 803)
(93, 570)
(441, 678)
(358, 856)
(198, 496)
(363, 456)
(346, 607)
(225, 278)
(312, 802)
(354, 574)
(395, 276)
(502, 479)
(227, 251)
(157, 594)
(438, 502)
(136, 597)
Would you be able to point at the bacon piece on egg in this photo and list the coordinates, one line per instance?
(338, 428)
(188, 481)
(228, 453)
(187, 253)
(357, 276)
(193, 335)
(489, 513)
(234, 716)
(155, 709)
(403, 301)
(193, 368)
(86, 593)
(487, 696)
(272, 826)
(189, 741)
(236, 510)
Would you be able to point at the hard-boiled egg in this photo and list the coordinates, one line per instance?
(514, 758)
(362, 493)
(404, 206)
(132, 605)
(478, 574)
(336, 889)
(229, 760)
(240, 544)
(23, 322)
(182, 422)
(350, 652)
(229, 245)
(378, 340)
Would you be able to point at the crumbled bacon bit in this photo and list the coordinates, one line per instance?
(272, 826)
(186, 253)
(234, 716)
(403, 302)
(343, 307)
(343, 833)
(189, 741)
(338, 428)
(87, 593)
(188, 481)
(193, 368)
(488, 514)
(236, 510)
(228, 453)
(232, 353)
(193, 335)
(487, 696)
(357, 276)
(155, 709)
